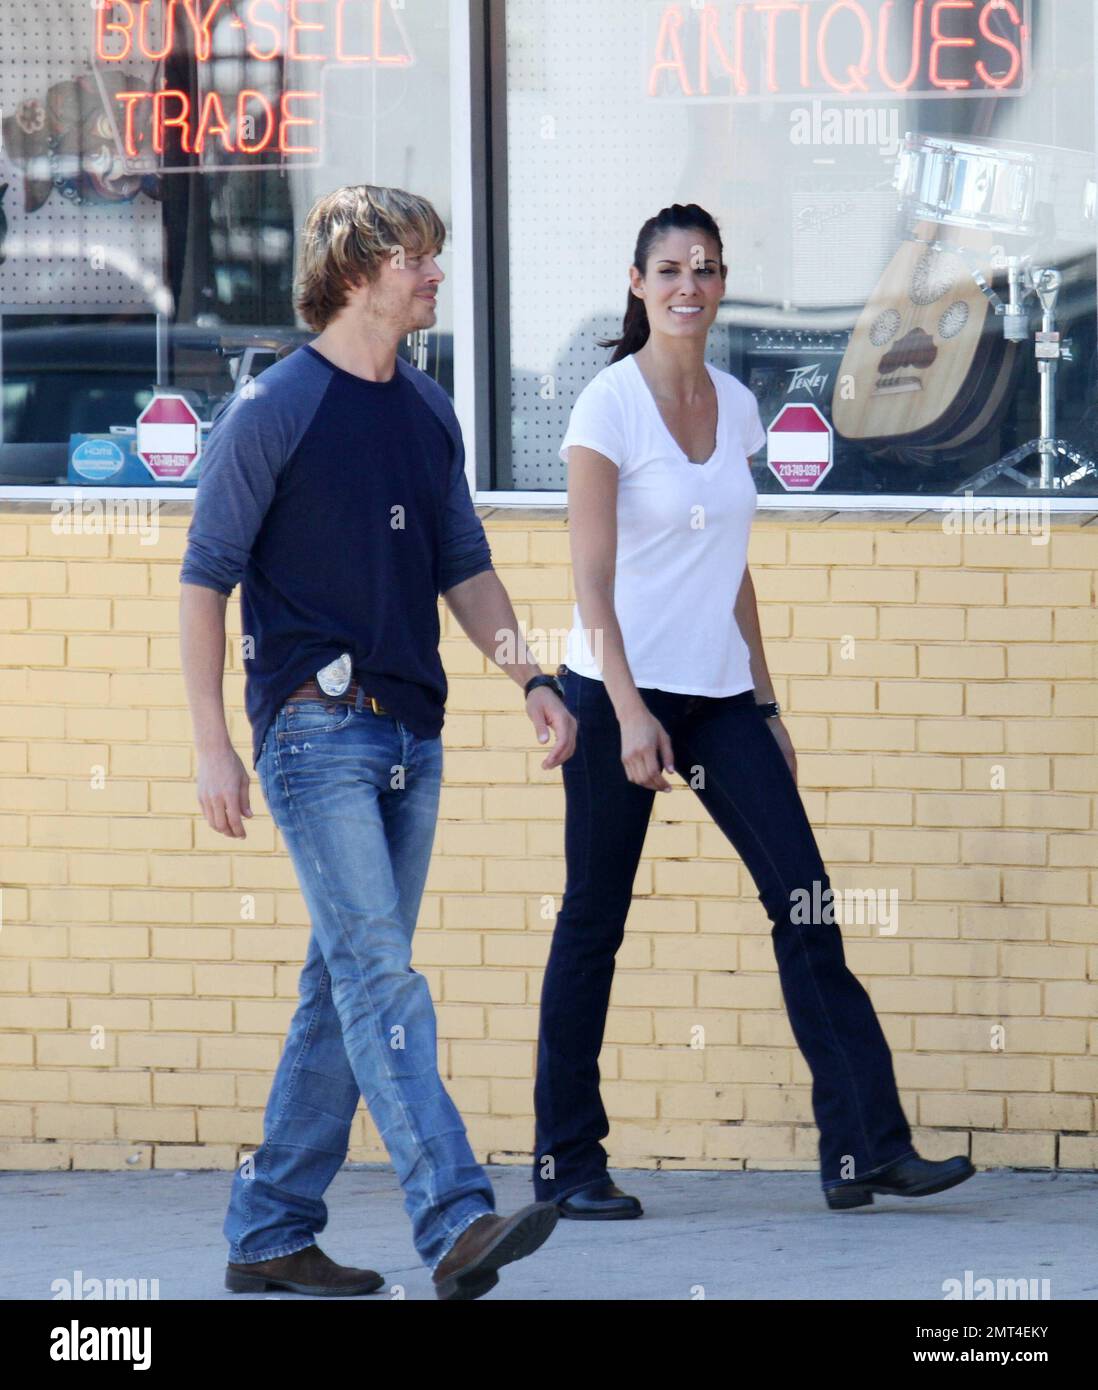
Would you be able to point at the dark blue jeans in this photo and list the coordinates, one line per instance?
(746, 786)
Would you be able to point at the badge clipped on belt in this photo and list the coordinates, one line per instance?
(335, 678)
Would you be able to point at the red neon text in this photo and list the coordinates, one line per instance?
(172, 109)
(316, 30)
(842, 47)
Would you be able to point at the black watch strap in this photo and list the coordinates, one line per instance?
(543, 679)
(770, 708)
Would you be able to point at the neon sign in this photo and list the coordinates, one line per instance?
(774, 49)
(248, 121)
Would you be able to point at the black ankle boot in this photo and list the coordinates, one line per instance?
(907, 1177)
(600, 1202)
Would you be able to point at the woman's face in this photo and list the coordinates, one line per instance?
(684, 284)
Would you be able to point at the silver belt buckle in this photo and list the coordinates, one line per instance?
(335, 678)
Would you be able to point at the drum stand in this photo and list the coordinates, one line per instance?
(1050, 350)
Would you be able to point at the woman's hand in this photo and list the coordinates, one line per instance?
(646, 749)
(785, 743)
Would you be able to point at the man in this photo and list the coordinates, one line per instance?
(334, 487)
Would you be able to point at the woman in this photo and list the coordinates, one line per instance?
(665, 671)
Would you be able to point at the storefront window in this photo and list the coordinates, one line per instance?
(906, 192)
(157, 163)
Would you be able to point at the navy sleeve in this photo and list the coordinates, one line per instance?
(251, 440)
(465, 549)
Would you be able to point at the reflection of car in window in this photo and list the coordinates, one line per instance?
(86, 373)
(82, 374)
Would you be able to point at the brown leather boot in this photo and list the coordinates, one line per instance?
(469, 1269)
(306, 1271)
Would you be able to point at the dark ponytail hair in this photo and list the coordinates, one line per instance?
(687, 217)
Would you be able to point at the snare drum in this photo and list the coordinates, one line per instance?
(1042, 193)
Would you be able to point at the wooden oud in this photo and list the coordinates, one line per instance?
(927, 357)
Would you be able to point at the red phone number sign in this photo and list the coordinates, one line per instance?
(795, 48)
(252, 120)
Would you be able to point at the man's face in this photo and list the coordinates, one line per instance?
(404, 297)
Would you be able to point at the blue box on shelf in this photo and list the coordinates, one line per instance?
(111, 460)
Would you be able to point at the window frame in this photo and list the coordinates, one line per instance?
(470, 284)
(481, 312)
(494, 140)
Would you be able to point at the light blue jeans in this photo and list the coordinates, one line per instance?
(355, 797)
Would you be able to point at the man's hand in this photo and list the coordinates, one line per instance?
(548, 711)
(481, 606)
(223, 789)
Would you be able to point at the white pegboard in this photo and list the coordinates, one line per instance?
(65, 252)
(571, 139)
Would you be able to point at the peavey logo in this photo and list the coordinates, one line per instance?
(809, 379)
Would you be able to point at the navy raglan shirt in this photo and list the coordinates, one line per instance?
(342, 508)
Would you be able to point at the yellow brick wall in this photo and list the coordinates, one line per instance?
(941, 694)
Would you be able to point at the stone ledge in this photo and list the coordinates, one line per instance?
(557, 516)
(927, 519)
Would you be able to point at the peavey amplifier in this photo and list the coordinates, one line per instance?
(781, 365)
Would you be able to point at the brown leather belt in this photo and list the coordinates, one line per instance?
(310, 690)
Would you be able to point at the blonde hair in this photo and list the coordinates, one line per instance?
(347, 235)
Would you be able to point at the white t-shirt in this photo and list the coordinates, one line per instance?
(682, 534)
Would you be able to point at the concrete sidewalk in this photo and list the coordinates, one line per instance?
(732, 1235)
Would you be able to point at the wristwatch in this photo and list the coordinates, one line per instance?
(543, 679)
(770, 709)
